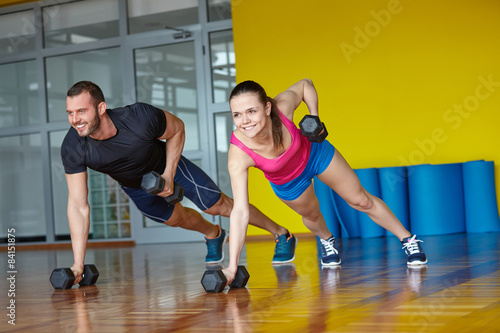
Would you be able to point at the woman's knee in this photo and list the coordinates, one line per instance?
(307, 205)
(362, 201)
(311, 212)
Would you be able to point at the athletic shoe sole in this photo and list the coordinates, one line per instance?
(416, 263)
(331, 263)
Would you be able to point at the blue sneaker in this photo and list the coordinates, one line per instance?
(416, 256)
(329, 254)
(215, 247)
(284, 251)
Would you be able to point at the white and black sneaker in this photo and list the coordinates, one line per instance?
(416, 256)
(329, 254)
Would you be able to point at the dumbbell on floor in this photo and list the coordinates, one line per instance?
(214, 281)
(63, 278)
(153, 183)
(312, 128)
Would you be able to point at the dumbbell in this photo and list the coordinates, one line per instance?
(311, 127)
(214, 281)
(153, 183)
(63, 278)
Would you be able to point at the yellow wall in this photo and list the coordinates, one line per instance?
(399, 82)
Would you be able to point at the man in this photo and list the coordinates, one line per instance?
(126, 143)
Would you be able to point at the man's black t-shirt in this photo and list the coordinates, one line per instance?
(127, 156)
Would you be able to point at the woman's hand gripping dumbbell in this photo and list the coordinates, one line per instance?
(312, 128)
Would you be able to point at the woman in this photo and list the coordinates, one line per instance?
(266, 138)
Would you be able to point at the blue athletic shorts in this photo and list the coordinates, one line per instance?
(198, 187)
(319, 159)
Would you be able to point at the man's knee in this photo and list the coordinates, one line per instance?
(177, 218)
(222, 207)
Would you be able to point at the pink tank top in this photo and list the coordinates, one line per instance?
(287, 166)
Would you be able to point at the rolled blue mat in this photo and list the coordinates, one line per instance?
(436, 199)
(481, 207)
(369, 181)
(394, 192)
(348, 217)
(327, 206)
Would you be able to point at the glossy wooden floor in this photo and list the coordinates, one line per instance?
(156, 288)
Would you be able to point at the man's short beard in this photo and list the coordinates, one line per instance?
(96, 122)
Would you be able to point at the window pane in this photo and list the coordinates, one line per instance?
(223, 70)
(80, 22)
(219, 10)
(224, 126)
(166, 78)
(149, 15)
(103, 67)
(109, 208)
(17, 33)
(21, 199)
(19, 103)
(59, 187)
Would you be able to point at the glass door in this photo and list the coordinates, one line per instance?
(167, 76)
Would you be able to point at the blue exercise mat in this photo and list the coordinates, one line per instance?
(481, 207)
(427, 199)
(369, 181)
(436, 199)
(348, 217)
(394, 192)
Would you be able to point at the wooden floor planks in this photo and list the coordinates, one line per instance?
(156, 288)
